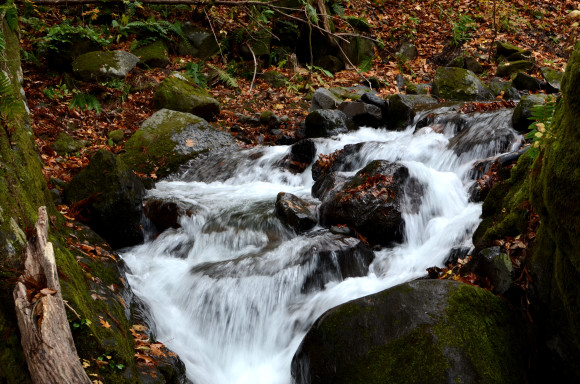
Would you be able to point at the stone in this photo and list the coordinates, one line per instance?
(417, 89)
(295, 212)
(498, 136)
(370, 202)
(523, 111)
(154, 55)
(270, 119)
(331, 63)
(497, 86)
(496, 266)
(168, 139)
(163, 214)
(362, 114)
(552, 77)
(507, 68)
(473, 65)
(116, 136)
(459, 84)
(201, 43)
(61, 57)
(425, 331)
(102, 66)
(402, 108)
(303, 151)
(274, 79)
(408, 51)
(354, 93)
(179, 93)
(324, 99)
(524, 82)
(67, 145)
(109, 195)
(374, 99)
(506, 49)
(358, 49)
(325, 123)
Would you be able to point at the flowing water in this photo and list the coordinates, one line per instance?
(225, 289)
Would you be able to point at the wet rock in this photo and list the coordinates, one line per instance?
(323, 99)
(343, 160)
(163, 214)
(415, 333)
(335, 258)
(301, 155)
(505, 88)
(402, 109)
(459, 84)
(523, 81)
(179, 93)
(523, 111)
(508, 68)
(295, 212)
(99, 66)
(456, 254)
(370, 202)
(326, 123)
(362, 114)
(154, 55)
(331, 182)
(66, 145)
(170, 138)
(109, 196)
(373, 99)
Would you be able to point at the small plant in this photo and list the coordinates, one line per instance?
(58, 92)
(460, 30)
(85, 101)
(225, 77)
(79, 323)
(65, 33)
(194, 71)
(542, 116)
(106, 362)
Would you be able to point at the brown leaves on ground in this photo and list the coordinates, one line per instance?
(147, 352)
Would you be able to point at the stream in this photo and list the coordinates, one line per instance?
(225, 289)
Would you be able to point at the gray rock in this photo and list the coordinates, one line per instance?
(459, 84)
(295, 212)
(473, 65)
(497, 86)
(371, 98)
(523, 111)
(112, 196)
(202, 43)
(408, 51)
(362, 114)
(324, 99)
(402, 109)
(325, 123)
(98, 66)
(508, 68)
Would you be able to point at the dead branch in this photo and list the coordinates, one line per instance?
(255, 66)
(45, 332)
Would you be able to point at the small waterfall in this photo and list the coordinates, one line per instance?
(225, 289)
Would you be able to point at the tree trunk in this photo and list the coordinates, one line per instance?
(45, 333)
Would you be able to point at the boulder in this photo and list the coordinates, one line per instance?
(408, 51)
(66, 145)
(170, 138)
(523, 81)
(497, 86)
(270, 119)
(473, 65)
(331, 63)
(301, 155)
(483, 140)
(523, 111)
(179, 93)
(154, 55)
(331, 182)
(326, 123)
(353, 93)
(324, 99)
(109, 195)
(61, 54)
(116, 136)
(508, 68)
(425, 331)
(505, 49)
(295, 212)
(401, 111)
(374, 99)
(371, 202)
(163, 214)
(100, 66)
(347, 159)
(335, 258)
(358, 48)
(417, 89)
(552, 77)
(459, 84)
(362, 114)
(201, 43)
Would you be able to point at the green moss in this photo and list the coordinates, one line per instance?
(459, 84)
(153, 55)
(177, 93)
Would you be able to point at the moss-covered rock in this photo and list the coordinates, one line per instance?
(178, 93)
(523, 111)
(153, 55)
(429, 331)
(98, 66)
(401, 109)
(508, 68)
(117, 136)
(201, 43)
(556, 262)
(274, 78)
(552, 77)
(358, 49)
(523, 81)
(505, 89)
(66, 145)
(504, 49)
(168, 139)
(459, 84)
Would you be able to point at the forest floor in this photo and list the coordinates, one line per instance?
(542, 26)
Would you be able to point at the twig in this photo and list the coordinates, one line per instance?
(215, 36)
(72, 309)
(255, 66)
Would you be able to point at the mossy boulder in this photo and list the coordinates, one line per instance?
(179, 93)
(552, 77)
(274, 78)
(99, 66)
(402, 108)
(111, 196)
(326, 123)
(116, 136)
(556, 261)
(508, 68)
(459, 84)
(523, 111)
(168, 139)
(154, 55)
(353, 93)
(426, 331)
(408, 51)
(505, 89)
(66, 145)
(504, 49)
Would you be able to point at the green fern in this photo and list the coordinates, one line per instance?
(2, 41)
(311, 13)
(225, 77)
(193, 70)
(85, 101)
(366, 64)
(542, 116)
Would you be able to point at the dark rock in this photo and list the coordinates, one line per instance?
(344, 160)
(518, 56)
(505, 49)
(326, 123)
(284, 140)
(375, 82)
(270, 119)
(362, 114)
(497, 86)
(56, 198)
(408, 51)
(274, 79)
(523, 81)
(373, 99)
(456, 254)
(201, 43)
(335, 258)
(370, 202)
(303, 151)
(109, 197)
(179, 93)
(507, 68)
(418, 332)
(323, 99)
(473, 65)
(163, 214)
(295, 212)
(99, 66)
(402, 109)
(61, 57)
(400, 82)
(496, 265)
(484, 140)
(357, 49)
(331, 63)
(459, 84)
(523, 111)
(331, 182)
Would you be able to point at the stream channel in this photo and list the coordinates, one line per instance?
(225, 289)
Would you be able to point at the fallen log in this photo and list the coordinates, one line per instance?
(45, 332)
